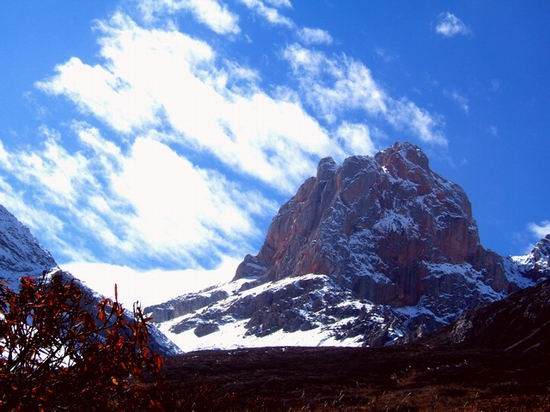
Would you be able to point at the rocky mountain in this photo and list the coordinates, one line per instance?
(520, 322)
(373, 251)
(525, 271)
(494, 358)
(22, 255)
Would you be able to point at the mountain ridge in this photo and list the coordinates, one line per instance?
(20, 252)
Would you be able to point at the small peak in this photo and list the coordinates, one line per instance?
(543, 246)
(326, 169)
(354, 164)
(407, 151)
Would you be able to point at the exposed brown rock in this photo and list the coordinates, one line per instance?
(376, 224)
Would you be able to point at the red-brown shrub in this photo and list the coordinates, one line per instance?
(61, 348)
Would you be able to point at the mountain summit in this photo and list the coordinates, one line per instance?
(376, 250)
(381, 226)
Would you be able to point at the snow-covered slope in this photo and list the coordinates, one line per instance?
(529, 269)
(20, 253)
(376, 250)
(308, 310)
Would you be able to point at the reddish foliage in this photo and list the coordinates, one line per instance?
(61, 349)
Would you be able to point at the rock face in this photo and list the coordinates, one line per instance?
(520, 322)
(524, 271)
(381, 226)
(20, 253)
(376, 250)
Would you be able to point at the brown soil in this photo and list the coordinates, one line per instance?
(406, 378)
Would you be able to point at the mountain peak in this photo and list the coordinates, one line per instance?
(326, 169)
(377, 224)
(403, 152)
(377, 250)
(542, 248)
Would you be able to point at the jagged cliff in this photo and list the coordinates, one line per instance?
(380, 225)
(20, 253)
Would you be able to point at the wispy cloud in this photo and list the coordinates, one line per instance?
(356, 138)
(461, 101)
(384, 55)
(540, 229)
(212, 13)
(147, 201)
(181, 131)
(270, 14)
(334, 84)
(314, 36)
(280, 3)
(190, 91)
(448, 25)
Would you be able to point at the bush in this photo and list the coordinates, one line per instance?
(61, 348)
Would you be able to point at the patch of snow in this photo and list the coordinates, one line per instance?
(513, 270)
(233, 336)
(395, 222)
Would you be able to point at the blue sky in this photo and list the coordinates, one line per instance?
(165, 134)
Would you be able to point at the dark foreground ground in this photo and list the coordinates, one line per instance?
(387, 379)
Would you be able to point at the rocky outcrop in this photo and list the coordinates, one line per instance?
(20, 252)
(176, 307)
(524, 271)
(520, 322)
(379, 225)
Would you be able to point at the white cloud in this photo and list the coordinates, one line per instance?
(95, 90)
(308, 60)
(163, 93)
(59, 175)
(448, 25)
(145, 286)
(333, 85)
(280, 3)
(206, 103)
(148, 201)
(356, 139)
(39, 220)
(212, 13)
(407, 116)
(314, 36)
(271, 14)
(540, 230)
(177, 206)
